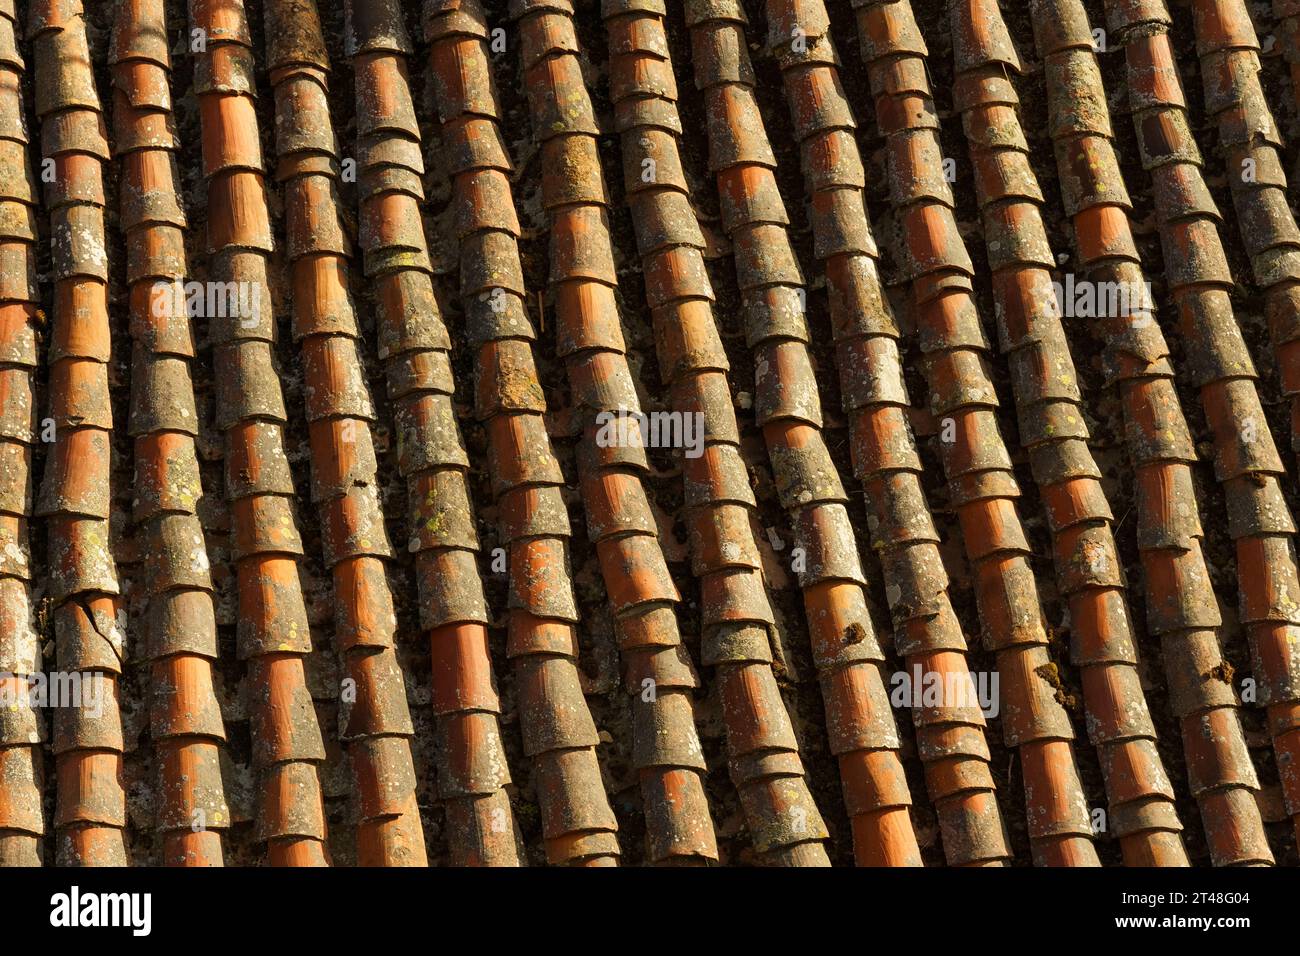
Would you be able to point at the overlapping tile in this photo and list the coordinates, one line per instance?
(75, 494)
(180, 623)
(22, 731)
(141, 772)
(415, 349)
(375, 722)
(950, 739)
(982, 488)
(1181, 607)
(719, 505)
(1251, 149)
(273, 633)
(1049, 406)
(1249, 143)
(1198, 279)
(1246, 462)
(620, 522)
(526, 476)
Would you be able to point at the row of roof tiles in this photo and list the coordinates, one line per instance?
(932, 310)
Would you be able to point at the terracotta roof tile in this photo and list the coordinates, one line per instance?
(927, 634)
(374, 721)
(782, 817)
(1169, 540)
(1051, 416)
(748, 224)
(1246, 462)
(89, 620)
(181, 630)
(22, 729)
(981, 487)
(273, 634)
(431, 457)
(666, 748)
(527, 478)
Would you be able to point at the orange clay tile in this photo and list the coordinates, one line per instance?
(273, 635)
(1246, 463)
(180, 624)
(619, 519)
(22, 731)
(982, 487)
(721, 520)
(784, 823)
(1250, 145)
(90, 811)
(1049, 406)
(375, 723)
(275, 217)
(510, 401)
(415, 349)
(950, 740)
(927, 634)
(1181, 607)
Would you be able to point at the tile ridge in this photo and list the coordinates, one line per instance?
(375, 721)
(1159, 442)
(274, 637)
(1049, 405)
(185, 722)
(510, 400)
(22, 731)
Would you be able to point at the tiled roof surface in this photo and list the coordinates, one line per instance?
(1052, 424)
(705, 388)
(180, 624)
(22, 732)
(81, 579)
(273, 634)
